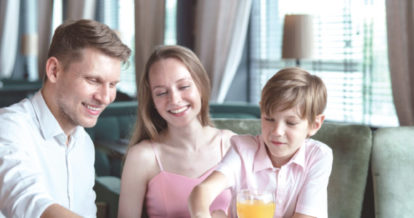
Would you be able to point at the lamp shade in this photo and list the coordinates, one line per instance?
(297, 37)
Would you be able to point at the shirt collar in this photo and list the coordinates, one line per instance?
(48, 124)
(299, 157)
(262, 160)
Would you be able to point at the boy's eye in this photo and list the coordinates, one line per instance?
(269, 119)
(292, 123)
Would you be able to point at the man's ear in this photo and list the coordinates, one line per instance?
(317, 124)
(53, 68)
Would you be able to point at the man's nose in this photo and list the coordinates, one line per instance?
(105, 94)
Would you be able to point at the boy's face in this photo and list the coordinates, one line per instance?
(284, 132)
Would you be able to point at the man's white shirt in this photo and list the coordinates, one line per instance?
(38, 168)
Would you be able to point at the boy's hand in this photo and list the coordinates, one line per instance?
(218, 214)
(204, 194)
(202, 215)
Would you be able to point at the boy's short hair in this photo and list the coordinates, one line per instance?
(294, 87)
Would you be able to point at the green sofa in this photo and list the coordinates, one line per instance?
(114, 126)
(371, 174)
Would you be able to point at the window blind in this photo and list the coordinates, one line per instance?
(350, 55)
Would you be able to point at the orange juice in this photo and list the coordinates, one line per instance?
(255, 209)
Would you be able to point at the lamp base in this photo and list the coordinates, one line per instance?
(297, 62)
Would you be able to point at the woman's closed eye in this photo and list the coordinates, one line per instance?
(184, 87)
(160, 93)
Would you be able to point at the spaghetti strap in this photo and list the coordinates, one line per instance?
(157, 157)
(221, 144)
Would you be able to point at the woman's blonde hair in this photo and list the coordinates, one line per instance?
(294, 87)
(149, 122)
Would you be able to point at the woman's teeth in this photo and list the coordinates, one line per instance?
(178, 110)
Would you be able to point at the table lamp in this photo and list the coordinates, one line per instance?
(297, 37)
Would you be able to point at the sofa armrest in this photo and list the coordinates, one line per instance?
(393, 172)
(351, 146)
(107, 190)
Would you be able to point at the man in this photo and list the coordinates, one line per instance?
(46, 157)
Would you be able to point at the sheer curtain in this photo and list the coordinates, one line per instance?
(29, 40)
(9, 31)
(220, 33)
(400, 23)
(74, 10)
(80, 9)
(149, 30)
(45, 8)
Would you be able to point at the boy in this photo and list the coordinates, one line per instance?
(283, 159)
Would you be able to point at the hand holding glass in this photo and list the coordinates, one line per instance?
(253, 204)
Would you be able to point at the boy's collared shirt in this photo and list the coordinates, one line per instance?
(299, 186)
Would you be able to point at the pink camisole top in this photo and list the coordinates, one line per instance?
(167, 193)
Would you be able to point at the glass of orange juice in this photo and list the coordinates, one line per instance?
(254, 204)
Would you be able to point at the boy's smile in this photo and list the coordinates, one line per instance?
(284, 132)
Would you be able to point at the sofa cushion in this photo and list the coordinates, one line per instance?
(351, 146)
(393, 172)
(239, 126)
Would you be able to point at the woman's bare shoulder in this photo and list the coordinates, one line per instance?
(142, 154)
(140, 150)
(141, 161)
(226, 135)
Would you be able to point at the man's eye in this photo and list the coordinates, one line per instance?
(112, 85)
(92, 80)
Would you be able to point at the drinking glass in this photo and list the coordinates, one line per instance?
(254, 204)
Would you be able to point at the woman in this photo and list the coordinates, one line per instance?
(174, 145)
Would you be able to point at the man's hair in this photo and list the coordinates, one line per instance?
(149, 122)
(294, 87)
(72, 36)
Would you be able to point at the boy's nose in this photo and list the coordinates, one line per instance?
(278, 129)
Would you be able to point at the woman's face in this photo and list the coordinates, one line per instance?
(175, 95)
